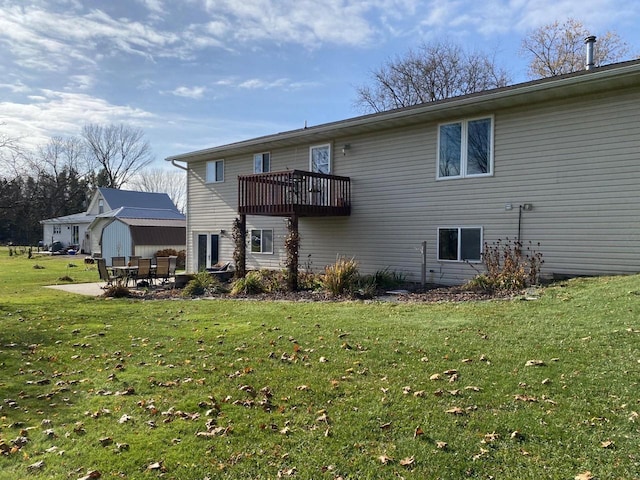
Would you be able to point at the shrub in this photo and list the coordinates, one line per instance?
(117, 290)
(202, 283)
(508, 267)
(341, 277)
(172, 252)
(252, 283)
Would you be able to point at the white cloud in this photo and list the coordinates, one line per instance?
(61, 113)
(189, 92)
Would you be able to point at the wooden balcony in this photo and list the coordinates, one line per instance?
(294, 193)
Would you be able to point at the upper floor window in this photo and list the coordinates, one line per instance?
(465, 148)
(320, 158)
(100, 206)
(262, 162)
(460, 244)
(215, 171)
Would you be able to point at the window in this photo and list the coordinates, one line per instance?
(320, 158)
(57, 229)
(215, 171)
(100, 206)
(75, 234)
(262, 162)
(460, 244)
(465, 148)
(262, 241)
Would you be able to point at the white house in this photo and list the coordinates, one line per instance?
(554, 162)
(85, 229)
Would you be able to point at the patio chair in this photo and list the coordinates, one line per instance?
(173, 263)
(104, 272)
(162, 269)
(133, 260)
(143, 272)
(118, 262)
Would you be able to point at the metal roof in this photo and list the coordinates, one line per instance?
(610, 77)
(116, 198)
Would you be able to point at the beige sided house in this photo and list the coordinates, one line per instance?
(554, 161)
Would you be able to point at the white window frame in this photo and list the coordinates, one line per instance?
(57, 229)
(463, 148)
(459, 247)
(312, 148)
(262, 251)
(212, 171)
(258, 161)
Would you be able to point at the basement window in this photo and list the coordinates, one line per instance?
(460, 244)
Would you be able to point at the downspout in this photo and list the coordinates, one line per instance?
(181, 167)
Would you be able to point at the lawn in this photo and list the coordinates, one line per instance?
(193, 389)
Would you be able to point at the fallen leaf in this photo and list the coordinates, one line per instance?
(584, 476)
(455, 411)
(442, 445)
(408, 461)
(534, 363)
(417, 432)
(607, 444)
(490, 437)
(36, 466)
(155, 466)
(385, 426)
(435, 376)
(91, 475)
(384, 459)
(289, 472)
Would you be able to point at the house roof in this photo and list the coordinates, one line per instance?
(75, 218)
(148, 213)
(127, 198)
(610, 77)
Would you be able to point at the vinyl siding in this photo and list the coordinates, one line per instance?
(576, 161)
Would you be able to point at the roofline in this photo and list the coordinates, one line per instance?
(598, 78)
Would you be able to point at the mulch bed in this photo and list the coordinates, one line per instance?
(430, 295)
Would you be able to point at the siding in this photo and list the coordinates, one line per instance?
(576, 161)
(116, 241)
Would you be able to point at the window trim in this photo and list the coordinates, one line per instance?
(57, 229)
(459, 259)
(464, 125)
(215, 170)
(262, 251)
(261, 154)
(322, 145)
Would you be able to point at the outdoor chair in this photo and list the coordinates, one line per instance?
(104, 272)
(173, 262)
(118, 262)
(162, 269)
(133, 260)
(143, 272)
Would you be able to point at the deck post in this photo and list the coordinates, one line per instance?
(292, 245)
(240, 249)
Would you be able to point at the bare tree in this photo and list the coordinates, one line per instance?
(432, 72)
(171, 182)
(556, 49)
(119, 152)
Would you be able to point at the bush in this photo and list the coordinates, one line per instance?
(341, 277)
(172, 252)
(508, 267)
(203, 283)
(117, 290)
(252, 283)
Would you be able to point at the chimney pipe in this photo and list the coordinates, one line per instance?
(590, 42)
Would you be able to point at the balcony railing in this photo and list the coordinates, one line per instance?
(295, 192)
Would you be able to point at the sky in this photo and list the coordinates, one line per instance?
(195, 74)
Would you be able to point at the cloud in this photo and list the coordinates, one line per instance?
(61, 113)
(189, 92)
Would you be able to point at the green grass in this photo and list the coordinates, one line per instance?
(316, 390)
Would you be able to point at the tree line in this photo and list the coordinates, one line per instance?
(58, 179)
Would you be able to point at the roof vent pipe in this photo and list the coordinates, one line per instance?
(590, 42)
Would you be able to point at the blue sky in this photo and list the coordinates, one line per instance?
(199, 73)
